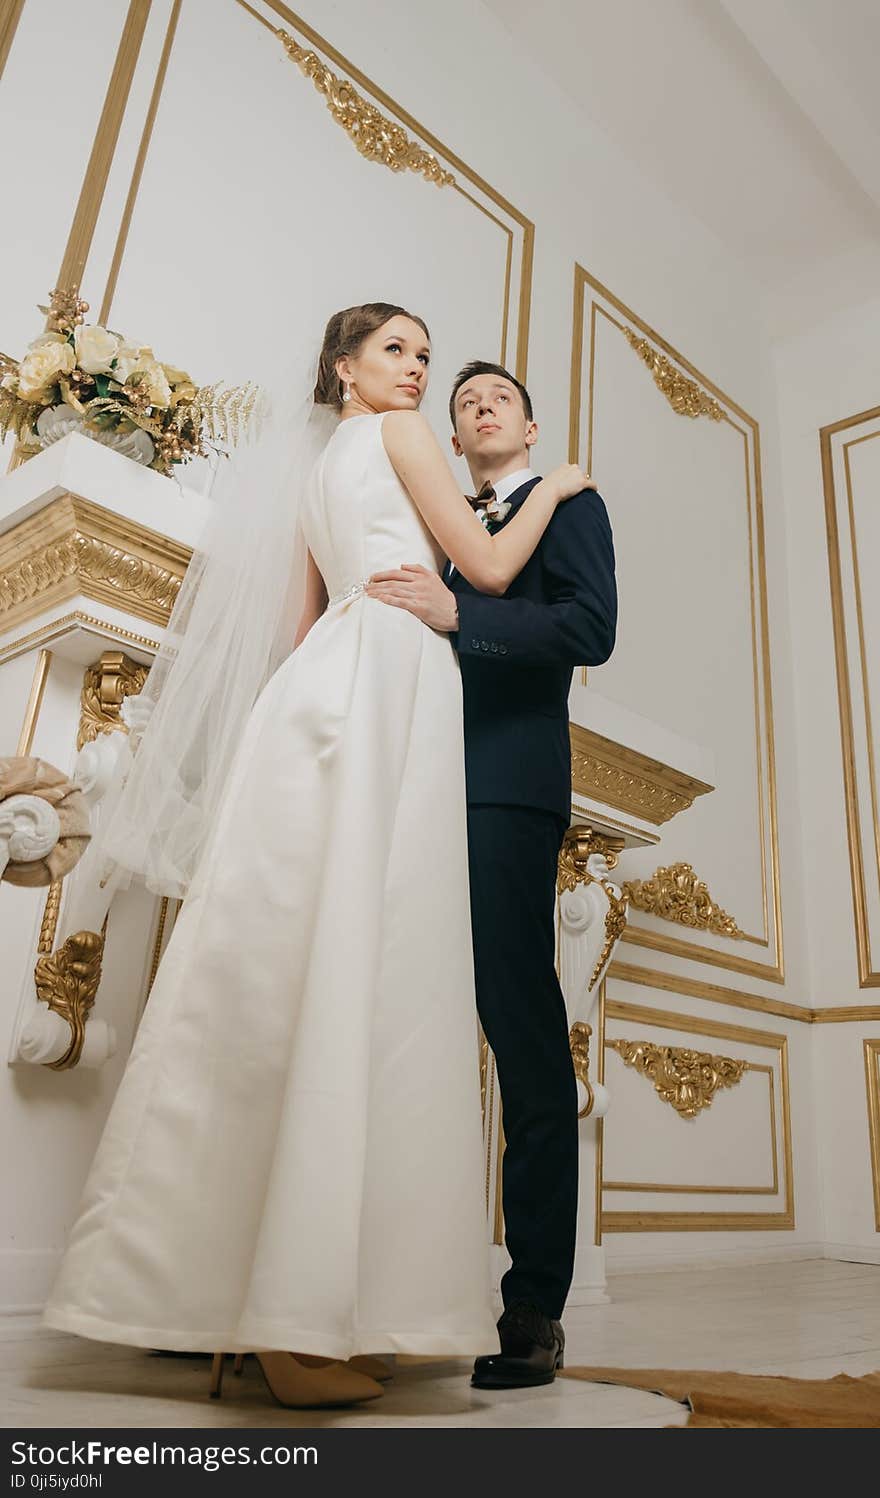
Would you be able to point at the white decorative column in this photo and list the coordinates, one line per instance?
(591, 917)
(630, 776)
(92, 550)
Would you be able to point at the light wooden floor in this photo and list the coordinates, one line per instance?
(810, 1319)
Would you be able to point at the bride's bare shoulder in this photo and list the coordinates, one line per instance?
(405, 429)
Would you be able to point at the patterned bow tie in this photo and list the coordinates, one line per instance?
(485, 496)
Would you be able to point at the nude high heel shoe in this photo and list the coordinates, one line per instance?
(376, 1368)
(297, 1384)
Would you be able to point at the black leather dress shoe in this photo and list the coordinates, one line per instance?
(532, 1348)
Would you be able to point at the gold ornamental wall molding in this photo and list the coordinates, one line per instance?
(864, 848)
(376, 136)
(675, 893)
(462, 179)
(692, 393)
(388, 133)
(74, 547)
(719, 1188)
(688, 1080)
(872, 1084)
(10, 15)
(631, 781)
(738, 998)
(684, 396)
(649, 1221)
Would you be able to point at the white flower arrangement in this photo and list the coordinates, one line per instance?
(86, 377)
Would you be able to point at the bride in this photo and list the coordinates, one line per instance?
(293, 1162)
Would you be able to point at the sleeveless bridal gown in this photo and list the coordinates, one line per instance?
(293, 1158)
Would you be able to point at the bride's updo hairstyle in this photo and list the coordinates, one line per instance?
(344, 334)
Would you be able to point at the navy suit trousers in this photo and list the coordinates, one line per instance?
(513, 853)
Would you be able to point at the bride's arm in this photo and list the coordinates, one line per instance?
(490, 563)
(315, 601)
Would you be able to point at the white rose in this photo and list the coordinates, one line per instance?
(157, 384)
(95, 348)
(41, 368)
(47, 338)
(129, 358)
(152, 377)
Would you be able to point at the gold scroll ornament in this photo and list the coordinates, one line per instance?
(687, 1080)
(67, 980)
(684, 395)
(375, 136)
(579, 1044)
(676, 894)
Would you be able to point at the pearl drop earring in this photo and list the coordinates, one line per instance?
(346, 394)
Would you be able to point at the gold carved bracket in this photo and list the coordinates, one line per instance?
(687, 1080)
(674, 893)
(579, 846)
(105, 686)
(67, 980)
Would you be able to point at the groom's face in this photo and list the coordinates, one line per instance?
(491, 426)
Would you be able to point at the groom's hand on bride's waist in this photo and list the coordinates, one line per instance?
(420, 592)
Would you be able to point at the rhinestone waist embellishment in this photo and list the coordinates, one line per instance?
(352, 592)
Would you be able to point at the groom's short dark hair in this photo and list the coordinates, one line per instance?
(478, 367)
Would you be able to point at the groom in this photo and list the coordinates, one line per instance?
(517, 654)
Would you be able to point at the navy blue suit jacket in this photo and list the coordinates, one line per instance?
(518, 652)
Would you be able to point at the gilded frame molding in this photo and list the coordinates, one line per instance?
(523, 225)
(639, 1221)
(872, 1085)
(765, 749)
(37, 692)
(771, 1190)
(869, 975)
(10, 15)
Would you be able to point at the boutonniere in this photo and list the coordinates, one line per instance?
(495, 511)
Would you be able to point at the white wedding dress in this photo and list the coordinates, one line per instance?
(293, 1158)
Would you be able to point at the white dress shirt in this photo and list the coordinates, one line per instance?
(504, 488)
(510, 483)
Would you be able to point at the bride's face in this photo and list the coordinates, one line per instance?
(389, 372)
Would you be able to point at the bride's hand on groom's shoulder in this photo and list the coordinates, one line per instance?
(567, 480)
(420, 592)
